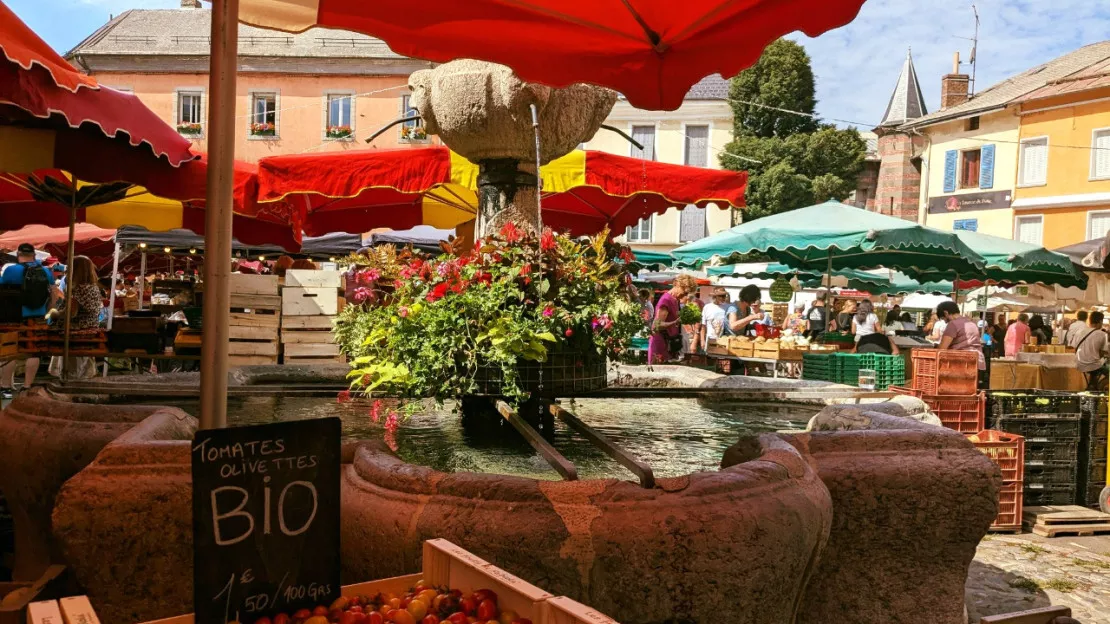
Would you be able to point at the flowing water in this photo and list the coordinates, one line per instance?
(674, 436)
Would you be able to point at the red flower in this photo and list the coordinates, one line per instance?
(547, 241)
(569, 332)
(438, 292)
(483, 277)
(344, 397)
(526, 269)
(626, 255)
(511, 233)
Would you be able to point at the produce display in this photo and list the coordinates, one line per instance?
(420, 605)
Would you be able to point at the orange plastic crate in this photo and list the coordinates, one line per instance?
(903, 390)
(948, 373)
(1005, 449)
(966, 414)
(1010, 502)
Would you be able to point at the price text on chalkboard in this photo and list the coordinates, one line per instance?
(781, 290)
(265, 519)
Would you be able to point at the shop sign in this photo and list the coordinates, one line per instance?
(968, 202)
(265, 519)
(1023, 291)
(981, 302)
(781, 290)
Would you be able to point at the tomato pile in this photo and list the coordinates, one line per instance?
(421, 605)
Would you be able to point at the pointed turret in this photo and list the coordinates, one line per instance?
(906, 103)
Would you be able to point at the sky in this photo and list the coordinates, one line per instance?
(856, 66)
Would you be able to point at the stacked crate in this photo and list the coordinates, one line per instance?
(1051, 424)
(1008, 451)
(948, 382)
(844, 368)
(1092, 448)
(310, 302)
(255, 318)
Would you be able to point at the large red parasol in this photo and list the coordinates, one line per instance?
(652, 51)
(583, 192)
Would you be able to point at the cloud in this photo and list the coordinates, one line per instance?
(857, 65)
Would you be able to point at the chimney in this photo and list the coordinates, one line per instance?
(190, 4)
(954, 86)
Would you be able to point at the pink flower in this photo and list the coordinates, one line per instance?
(548, 311)
(391, 423)
(403, 311)
(391, 441)
(361, 294)
(376, 411)
(344, 397)
(569, 332)
(369, 276)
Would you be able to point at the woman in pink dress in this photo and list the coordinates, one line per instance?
(1017, 335)
(665, 327)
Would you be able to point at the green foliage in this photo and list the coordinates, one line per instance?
(793, 161)
(689, 314)
(425, 325)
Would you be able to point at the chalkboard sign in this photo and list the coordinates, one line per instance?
(781, 290)
(265, 519)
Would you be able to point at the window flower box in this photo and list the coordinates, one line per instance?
(413, 133)
(263, 129)
(190, 129)
(339, 132)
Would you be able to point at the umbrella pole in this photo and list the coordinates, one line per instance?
(142, 278)
(218, 213)
(69, 302)
(112, 294)
(828, 281)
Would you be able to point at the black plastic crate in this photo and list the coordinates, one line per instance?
(1051, 450)
(1093, 403)
(1037, 495)
(1096, 472)
(1032, 402)
(1065, 427)
(1051, 473)
(1094, 490)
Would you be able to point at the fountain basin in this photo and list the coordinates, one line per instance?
(42, 444)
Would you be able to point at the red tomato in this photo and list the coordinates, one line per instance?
(430, 619)
(487, 610)
(361, 618)
(522, 621)
(263, 620)
(348, 617)
(457, 617)
(468, 606)
(375, 617)
(320, 610)
(355, 608)
(302, 614)
(485, 594)
(281, 618)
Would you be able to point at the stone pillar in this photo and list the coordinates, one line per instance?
(483, 112)
(898, 192)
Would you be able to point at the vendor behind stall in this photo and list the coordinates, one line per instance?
(742, 316)
(960, 332)
(1091, 352)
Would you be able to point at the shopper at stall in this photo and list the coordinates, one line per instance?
(83, 303)
(817, 318)
(960, 332)
(1077, 329)
(865, 322)
(796, 321)
(843, 320)
(893, 319)
(1040, 330)
(877, 342)
(666, 335)
(907, 322)
(1091, 351)
(743, 315)
(36, 294)
(1017, 335)
(713, 317)
(647, 307)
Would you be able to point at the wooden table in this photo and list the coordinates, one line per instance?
(1012, 375)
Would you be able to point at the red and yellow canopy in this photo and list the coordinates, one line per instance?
(583, 192)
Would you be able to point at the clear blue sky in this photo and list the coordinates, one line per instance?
(856, 66)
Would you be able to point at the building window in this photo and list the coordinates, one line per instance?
(1098, 224)
(973, 123)
(697, 146)
(339, 124)
(644, 135)
(1100, 154)
(639, 233)
(190, 113)
(411, 130)
(1033, 162)
(969, 169)
(1029, 229)
(263, 114)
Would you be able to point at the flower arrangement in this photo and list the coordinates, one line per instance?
(413, 133)
(338, 132)
(263, 129)
(426, 327)
(190, 128)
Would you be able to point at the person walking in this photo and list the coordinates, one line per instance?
(1091, 351)
(37, 295)
(1017, 335)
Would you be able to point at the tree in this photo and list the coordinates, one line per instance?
(793, 160)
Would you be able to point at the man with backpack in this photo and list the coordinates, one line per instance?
(37, 296)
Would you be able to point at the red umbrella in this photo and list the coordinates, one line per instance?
(584, 191)
(652, 51)
(95, 242)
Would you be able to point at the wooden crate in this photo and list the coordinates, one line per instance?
(1042, 615)
(563, 610)
(254, 327)
(717, 347)
(244, 284)
(297, 301)
(767, 350)
(741, 348)
(445, 564)
(313, 279)
(9, 343)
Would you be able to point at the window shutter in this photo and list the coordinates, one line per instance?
(697, 146)
(1101, 158)
(951, 158)
(644, 135)
(1034, 162)
(1100, 225)
(986, 167)
(691, 224)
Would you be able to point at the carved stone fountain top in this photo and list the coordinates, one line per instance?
(482, 111)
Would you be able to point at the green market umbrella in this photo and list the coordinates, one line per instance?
(833, 236)
(898, 283)
(856, 280)
(654, 260)
(1010, 261)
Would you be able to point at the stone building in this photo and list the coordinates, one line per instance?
(898, 181)
(320, 90)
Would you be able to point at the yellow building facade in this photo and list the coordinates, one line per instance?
(1063, 171)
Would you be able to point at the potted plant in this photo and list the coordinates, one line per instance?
(263, 129)
(494, 321)
(413, 133)
(190, 128)
(338, 132)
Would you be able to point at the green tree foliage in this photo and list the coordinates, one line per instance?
(792, 160)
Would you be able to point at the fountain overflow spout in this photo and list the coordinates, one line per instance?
(379, 131)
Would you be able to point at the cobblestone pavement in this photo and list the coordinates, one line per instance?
(1016, 572)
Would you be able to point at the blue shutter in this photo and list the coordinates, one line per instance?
(986, 167)
(951, 159)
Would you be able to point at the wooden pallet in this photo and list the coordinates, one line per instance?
(1055, 520)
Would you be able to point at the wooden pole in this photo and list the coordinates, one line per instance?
(69, 302)
(218, 213)
(112, 293)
